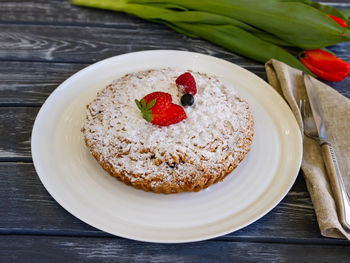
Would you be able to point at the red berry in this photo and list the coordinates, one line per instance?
(172, 115)
(163, 101)
(186, 83)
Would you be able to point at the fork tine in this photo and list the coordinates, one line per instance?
(301, 105)
(302, 112)
(310, 129)
(302, 108)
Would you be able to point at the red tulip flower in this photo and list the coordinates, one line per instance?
(340, 21)
(325, 65)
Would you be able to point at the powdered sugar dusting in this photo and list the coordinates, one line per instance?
(212, 137)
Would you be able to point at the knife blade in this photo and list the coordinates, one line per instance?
(340, 195)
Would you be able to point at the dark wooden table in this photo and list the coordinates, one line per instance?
(44, 42)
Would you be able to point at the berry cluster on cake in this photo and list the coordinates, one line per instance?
(185, 132)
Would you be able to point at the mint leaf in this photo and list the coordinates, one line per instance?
(145, 109)
(138, 105)
(151, 104)
(143, 103)
(147, 116)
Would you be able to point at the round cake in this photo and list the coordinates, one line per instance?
(187, 156)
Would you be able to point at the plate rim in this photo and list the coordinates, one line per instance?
(48, 187)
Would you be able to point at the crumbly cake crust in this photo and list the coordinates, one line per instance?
(188, 156)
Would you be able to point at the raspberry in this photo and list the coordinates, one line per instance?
(186, 83)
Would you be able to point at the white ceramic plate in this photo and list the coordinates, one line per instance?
(82, 187)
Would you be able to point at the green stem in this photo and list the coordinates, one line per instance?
(295, 22)
(226, 32)
(244, 43)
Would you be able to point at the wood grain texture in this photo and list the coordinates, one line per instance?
(35, 45)
(89, 44)
(16, 127)
(30, 83)
(59, 16)
(87, 39)
(61, 11)
(72, 249)
(30, 209)
(91, 29)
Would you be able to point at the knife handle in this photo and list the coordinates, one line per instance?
(341, 197)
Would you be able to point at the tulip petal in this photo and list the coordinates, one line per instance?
(325, 61)
(330, 76)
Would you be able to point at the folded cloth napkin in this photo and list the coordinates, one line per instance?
(289, 83)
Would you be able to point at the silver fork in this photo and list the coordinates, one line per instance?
(310, 128)
(341, 197)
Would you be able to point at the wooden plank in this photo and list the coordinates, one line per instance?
(30, 209)
(89, 44)
(88, 249)
(16, 128)
(75, 44)
(87, 39)
(30, 83)
(29, 206)
(62, 11)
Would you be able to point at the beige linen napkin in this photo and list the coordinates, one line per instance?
(289, 83)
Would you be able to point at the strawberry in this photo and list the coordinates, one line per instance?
(172, 115)
(157, 108)
(186, 83)
(163, 101)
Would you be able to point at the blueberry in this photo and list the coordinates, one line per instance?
(187, 100)
(172, 165)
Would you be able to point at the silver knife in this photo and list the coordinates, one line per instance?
(341, 197)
